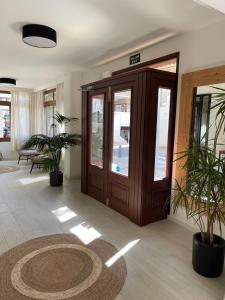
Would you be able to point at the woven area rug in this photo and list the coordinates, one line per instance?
(7, 169)
(61, 267)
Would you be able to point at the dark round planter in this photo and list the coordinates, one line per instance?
(56, 178)
(208, 260)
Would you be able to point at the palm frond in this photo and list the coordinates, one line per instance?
(217, 88)
(61, 119)
(50, 165)
(38, 141)
(202, 193)
(53, 145)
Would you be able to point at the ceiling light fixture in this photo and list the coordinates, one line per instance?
(39, 36)
(7, 82)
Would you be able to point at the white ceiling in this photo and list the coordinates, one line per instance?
(89, 31)
(216, 4)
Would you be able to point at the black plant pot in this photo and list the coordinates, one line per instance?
(208, 260)
(56, 178)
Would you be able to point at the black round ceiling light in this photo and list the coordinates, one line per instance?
(39, 36)
(7, 82)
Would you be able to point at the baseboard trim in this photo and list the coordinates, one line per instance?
(183, 223)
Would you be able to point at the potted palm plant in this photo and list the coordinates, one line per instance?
(202, 194)
(52, 146)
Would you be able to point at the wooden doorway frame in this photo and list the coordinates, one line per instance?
(189, 83)
(175, 55)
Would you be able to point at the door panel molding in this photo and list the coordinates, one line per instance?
(116, 181)
(95, 176)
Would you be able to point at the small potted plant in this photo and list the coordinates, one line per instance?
(202, 194)
(52, 146)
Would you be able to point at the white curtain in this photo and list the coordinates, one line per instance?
(37, 120)
(60, 104)
(20, 118)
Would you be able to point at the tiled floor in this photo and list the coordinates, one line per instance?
(158, 257)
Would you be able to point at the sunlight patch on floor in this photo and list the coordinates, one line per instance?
(85, 233)
(120, 253)
(64, 214)
(30, 180)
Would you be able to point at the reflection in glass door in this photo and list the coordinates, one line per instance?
(97, 130)
(162, 132)
(121, 132)
(202, 118)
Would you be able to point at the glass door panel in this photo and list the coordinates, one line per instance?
(162, 132)
(97, 130)
(121, 132)
(202, 118)
(205, 119)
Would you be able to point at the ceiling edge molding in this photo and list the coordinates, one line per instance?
(127, 51)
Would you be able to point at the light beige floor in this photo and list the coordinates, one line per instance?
(159, 255)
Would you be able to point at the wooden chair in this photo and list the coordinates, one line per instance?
(27, 154)
(37, 160)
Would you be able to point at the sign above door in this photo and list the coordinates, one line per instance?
(134, 59)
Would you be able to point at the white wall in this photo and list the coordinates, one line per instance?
(198, 50)
(5, 149)
(72, 98)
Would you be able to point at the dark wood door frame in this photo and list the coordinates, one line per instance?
(157, 191)
(97, 176)
(175, 55)
(136, 206)
(118, 182)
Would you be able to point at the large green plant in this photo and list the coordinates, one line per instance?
(202, 191)
(53, 146)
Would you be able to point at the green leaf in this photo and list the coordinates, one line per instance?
(61, 119)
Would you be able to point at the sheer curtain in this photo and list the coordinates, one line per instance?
(60, 104)
(20, 118)
(37, 120)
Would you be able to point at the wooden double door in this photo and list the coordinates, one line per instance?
(127, 145)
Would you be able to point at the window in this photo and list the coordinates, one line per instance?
(49, 110)
(169, 65)
(162, 130)
(97, 119)
(5, 116)
(121, 132)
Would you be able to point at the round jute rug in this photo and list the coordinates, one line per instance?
(7, 169)
(59, 267)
